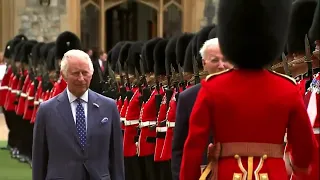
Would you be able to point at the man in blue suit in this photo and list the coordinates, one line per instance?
(77, 134)
(213, 62)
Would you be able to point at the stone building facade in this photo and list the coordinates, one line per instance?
(90, 20)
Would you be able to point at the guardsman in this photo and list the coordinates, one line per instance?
(4, 89)
(65, 42)
(26, 130)
(37, 63)
(131, 160)
(150, 100)
(10, 104)
(123, 56)
(247, 149)
(49, 55)
(312, 96)
(301, 20)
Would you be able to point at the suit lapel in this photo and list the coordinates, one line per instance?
(64, 109)
(93, 114)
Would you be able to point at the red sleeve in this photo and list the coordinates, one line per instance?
(300, 135)
(197, 140)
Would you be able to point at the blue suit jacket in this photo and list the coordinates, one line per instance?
(184, 108)
(57, 153)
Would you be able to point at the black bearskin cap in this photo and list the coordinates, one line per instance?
(213, 33)
(202, 36)
(171, 58)
(44, 50)
(187, 64)
(147, 52)
(159, 57)
(51, 59)
(314, 32)
(134, 56)
(114, 54)
(21, 37)
(18, 51)
(252, 33)
(7, 51)
(66, 41)
(300, 23)
(182, 45)
(26, 51)
(36, 56)
(14, 43)
(124, 53)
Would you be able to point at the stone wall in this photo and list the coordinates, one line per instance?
(210, 12)
(40, 22)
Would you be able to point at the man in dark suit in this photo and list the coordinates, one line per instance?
(213, 62)
(77, 134)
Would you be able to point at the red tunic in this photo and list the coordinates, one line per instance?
(11, 96)
(23, 95)
(148, 118)
(36, 102)
(4, 88)
(59, 86)
(29, 107)
(131, 125)
(243, 106)
(161, 130)
(171, 119)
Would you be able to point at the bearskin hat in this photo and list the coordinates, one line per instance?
(188, 57)
(26, 51)
(314, 31)
(202, 36)
(7, 51)
(124, 53)
(51, 59)
(147, 52)
(44, 50)
(170, 54)
(252, 33)
(134, 56)
(114, 54)
(181, 47)
(300, 23)
(17, 54)
(159, 57)
(66, 41)
(35, 52)
(213, 33)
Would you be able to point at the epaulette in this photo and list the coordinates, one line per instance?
(216, 74)
(285, 76)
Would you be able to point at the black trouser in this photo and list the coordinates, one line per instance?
(13, 136)
(26, 139)
(20, 132)
(165, 170)
(150, 169)
(133, 170)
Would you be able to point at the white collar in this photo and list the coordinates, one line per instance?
(72, 98)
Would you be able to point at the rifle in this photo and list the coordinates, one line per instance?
(129, 93)
(195, 70)
(308, 59)
(123, 89)
(146, 92)
(114, 85)
(285, 64)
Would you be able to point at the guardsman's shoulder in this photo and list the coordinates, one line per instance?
(210, 76)
(288, 78)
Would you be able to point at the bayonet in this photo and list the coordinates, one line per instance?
(143, 74)
(195, 70)
(308, 59)
(285, 64)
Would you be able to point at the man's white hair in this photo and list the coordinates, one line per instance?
(74, 53)
(208, 43)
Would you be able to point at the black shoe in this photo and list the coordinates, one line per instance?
(15, 153)
(23, 159)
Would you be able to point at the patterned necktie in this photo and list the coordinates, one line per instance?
(81, 123)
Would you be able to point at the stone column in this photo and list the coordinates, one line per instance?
(7, 21)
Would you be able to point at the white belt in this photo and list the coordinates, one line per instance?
(30, 98)
(122, 119)
(36, 102)
(316, 130)
(147, 123)
(14, 91)
(9, 88)
(40, 100)
(161, 129)
(4, 87)
(131, 122)
(23, 95)
(170, 124)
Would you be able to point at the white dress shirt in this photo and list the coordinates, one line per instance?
(100, 62)
(73, 104)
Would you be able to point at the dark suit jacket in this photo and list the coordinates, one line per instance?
(184, 108)
(97, 77)
(57, 153)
